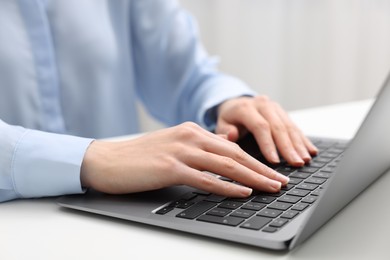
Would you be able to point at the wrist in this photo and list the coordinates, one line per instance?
(88, 165)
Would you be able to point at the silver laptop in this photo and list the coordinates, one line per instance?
(316, 192)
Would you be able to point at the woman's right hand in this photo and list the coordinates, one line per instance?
(180, 155)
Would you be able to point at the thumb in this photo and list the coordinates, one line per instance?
(231, 131)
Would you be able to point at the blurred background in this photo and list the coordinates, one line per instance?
(301, 53)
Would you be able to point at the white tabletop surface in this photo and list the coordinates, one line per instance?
(40, 229)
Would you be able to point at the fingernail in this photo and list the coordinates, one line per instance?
(275, 184)
(275, 157)
(296, 157)
(245, 191)
(284, 179)
(306, 157)
(314, 150)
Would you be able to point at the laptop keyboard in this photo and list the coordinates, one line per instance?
(266, 212)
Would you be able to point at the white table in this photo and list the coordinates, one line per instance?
(39, 229)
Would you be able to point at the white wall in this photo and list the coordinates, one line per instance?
(302, 53)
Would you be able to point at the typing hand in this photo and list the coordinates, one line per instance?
(269, 123)
(176, 156)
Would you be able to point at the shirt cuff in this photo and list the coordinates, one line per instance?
(46, 164)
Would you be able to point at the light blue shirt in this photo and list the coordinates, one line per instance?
(71, 71)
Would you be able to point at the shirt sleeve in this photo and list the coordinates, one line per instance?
(36, 164)
(175, 77)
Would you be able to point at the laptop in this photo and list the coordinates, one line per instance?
(279, 221)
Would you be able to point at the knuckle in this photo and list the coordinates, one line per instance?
(291, 128)
(261, 125)
(178, 148)
(206, 180)
(239, 154)
(271, 173)
(226, 188)
(244, 105)
(167, 163)
(228, 163)
(262, 99)
(279, 127)
(187, 130)
(190, 124)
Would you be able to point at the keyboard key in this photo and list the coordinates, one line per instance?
(321, 174)
(229, 221)
(196, 210)
(341, 146)
(215, 198)
(242, 199)
(315, 180)
(317, 164)
(288, 187)
(184, 204)
(286, 170)
(202, 192)
(300, 175)
(279, 222)
(316, 192)
(298, 192)
(295, 181)
(289, 199)
(328, 169)
(327, 154)
(307, 186)
(270, 213)
(174, 204)
(230, 204)
(335, 150)
(300, 206)
(280, 205)
(263, 199)
(333, 164)
(242, 213)
(308, 169)
(289, 214)
(256, 223)
(164, 210)
(188, 196)
(322, 159)
(219, 212)
(277, 194)
(270, 230)
(324, 144)
(309, 199)
(324, 185)
(253, 206)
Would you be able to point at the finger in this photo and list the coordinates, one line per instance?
(304, 146)
(228, 129)
(313, 150)
(223, 136)
(260, 128)
(280, 134)
(194, 128)
(214, 144)
(286, 148)
(300, 147)
(204, 181)
(226, 166)
(230, 151)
